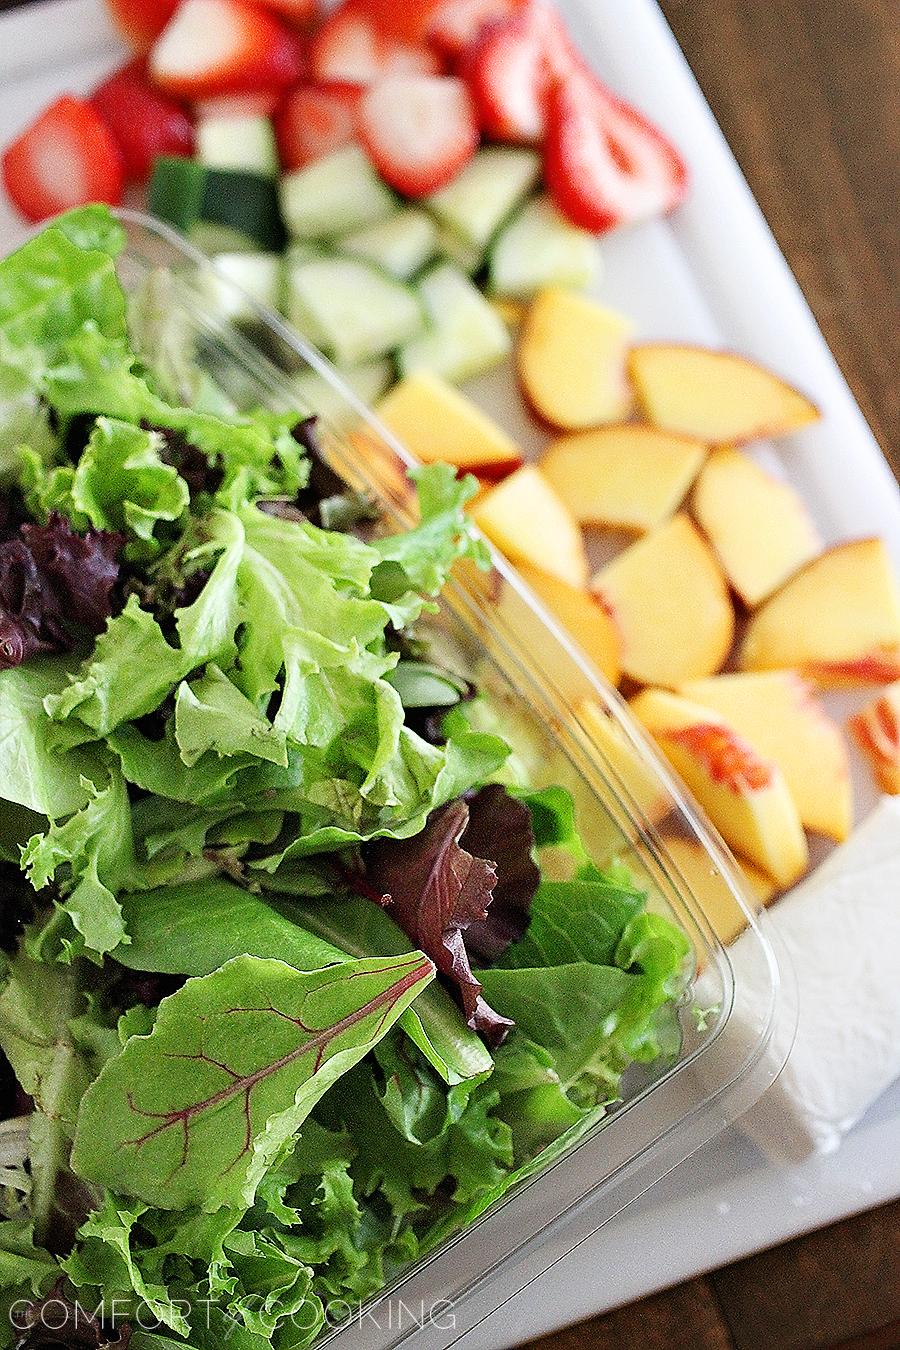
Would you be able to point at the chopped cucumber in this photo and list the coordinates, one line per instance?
(334, 195)
(238, 143)
(466, 336)
(488, 190)
(369, 381)
(217, 239)
(350, 309)
(238, 278)
(238, 204)
(469, 258)
(538, 248)
(400, 245)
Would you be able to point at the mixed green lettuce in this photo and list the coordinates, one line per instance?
(286, 1000)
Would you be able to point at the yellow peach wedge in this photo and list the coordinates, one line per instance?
(434, 422)
(720, 397)
(527, 521)
(571, 360)
(629, 770)
(712, 892)
(669, 600)
(582, 615)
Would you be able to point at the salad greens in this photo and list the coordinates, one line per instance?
(285, 1000)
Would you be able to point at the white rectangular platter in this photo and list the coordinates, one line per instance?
(713, 274)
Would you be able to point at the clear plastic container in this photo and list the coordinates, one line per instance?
(570, 727)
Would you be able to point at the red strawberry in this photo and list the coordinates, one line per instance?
(225, 47)
(141, 21)
(66, 158)
(144, 122)
(605, 164)
(419, 130)
(354, 46)
(314, 120)
(300, 12)
(457, 23)
(511, 68)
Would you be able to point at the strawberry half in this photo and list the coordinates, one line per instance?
(605, 164)
(66, 158)
(299, 12)
(225, 47)
(354, 46)
(144, 122)
(141, 21)
(456, 24)
(314, 120)
(511, 68)
(419, 130)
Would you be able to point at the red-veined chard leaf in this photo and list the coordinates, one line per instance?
(196, 1112)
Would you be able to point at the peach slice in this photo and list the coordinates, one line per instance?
(583, 615)
(718, 396)
(638, 779)
(779, 715)
(710, 889)
(744, 795)
(758, 525)
(837, 621)
(877, 730)
(528, 522)
(572, 360)
(436, 422)
(628, 476)
(669, 600)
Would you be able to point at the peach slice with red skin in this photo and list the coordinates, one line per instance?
(757, 524)
(877, 732)
(720, 397)
(744, 795)
(627, 476)
(837, 621)
(778, 714)
(669, 600)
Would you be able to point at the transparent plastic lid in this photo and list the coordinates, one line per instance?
(567, 727)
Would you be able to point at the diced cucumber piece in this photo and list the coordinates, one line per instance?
(538, 248)
(400, 245)
(216, 239)
(176, 191)
(247, 202)
(350, 309)
(238, 143)
(492, 185)
(236, 279)
(239, 204)
(466, 336)
(334, 195)
(469, 258)
(369, 381)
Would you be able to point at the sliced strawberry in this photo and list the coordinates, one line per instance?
(237, 105)
(299, 12)
(605, 164)
(419, 130)
(225, 47)
(354, 46)
(314, 120)
(511, 68)
(456, 24)
(141, 21)
(66, 158)
(145, 123)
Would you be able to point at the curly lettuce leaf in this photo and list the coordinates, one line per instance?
(33, 773)
(195, 1113)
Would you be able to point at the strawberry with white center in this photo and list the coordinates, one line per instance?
(605, 164)
(512, 67)
(420, 130)
(144, 122)
(66, 158)
(315, 120)
(225, 46)
(457, 23)
(356, 46)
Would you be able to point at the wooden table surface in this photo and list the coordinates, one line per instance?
(807, 94)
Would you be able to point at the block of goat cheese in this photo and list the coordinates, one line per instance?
(841, 931)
